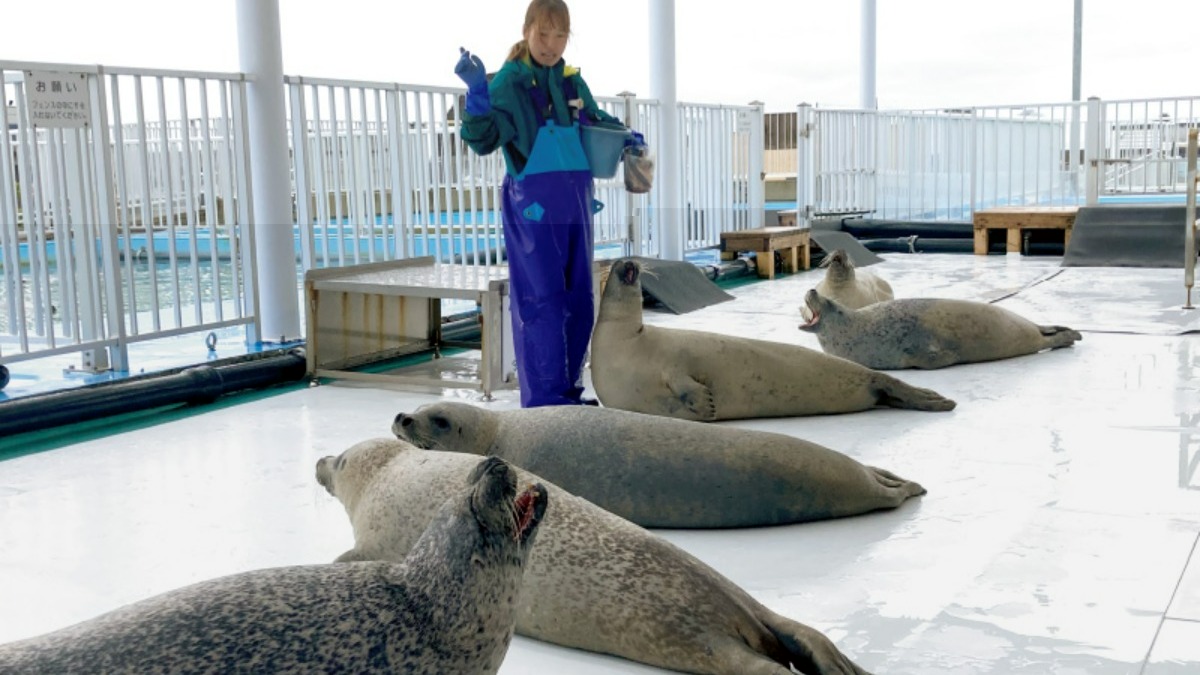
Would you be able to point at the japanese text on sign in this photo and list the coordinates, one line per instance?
(57, 99)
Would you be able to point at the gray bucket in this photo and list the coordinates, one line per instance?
(603, 148)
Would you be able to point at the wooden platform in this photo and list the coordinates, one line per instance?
(764, 241)
(1014, 219)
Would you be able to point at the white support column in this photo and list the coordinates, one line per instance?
(868, 100)
(662, 87)
(260, 55)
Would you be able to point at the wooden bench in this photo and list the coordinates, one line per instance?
(1014, 219)
(764, 241)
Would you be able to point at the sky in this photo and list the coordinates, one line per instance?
(929, 53)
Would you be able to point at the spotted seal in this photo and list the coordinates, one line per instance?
(926, 332)
(595, 581)
(851, 286)
(705, 376)
(664, 472)
(449, 607)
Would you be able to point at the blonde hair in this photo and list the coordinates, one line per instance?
(541, 13)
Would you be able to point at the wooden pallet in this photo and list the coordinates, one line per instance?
(764, 241)
(1015, 219)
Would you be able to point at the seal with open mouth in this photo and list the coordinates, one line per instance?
(926, 332)
(705, 376)
(448, 607)
(595, 581)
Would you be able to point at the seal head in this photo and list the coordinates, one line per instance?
(816, 307)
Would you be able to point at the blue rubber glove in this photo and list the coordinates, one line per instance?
(636, 139)
(470, 70)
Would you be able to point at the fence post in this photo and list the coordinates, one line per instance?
(755, 173)
(1094, 149)
(118, 354)
(973, 153)
(301, 162)
(805, 174)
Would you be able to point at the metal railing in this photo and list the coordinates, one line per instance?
(388, 176)
(1189, 221)
(945, 164)
(722, 171)
(131, 225)
(138, 225)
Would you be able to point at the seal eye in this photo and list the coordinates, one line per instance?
(440, 422)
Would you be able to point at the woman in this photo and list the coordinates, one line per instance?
(532, 110)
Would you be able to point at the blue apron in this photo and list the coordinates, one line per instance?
(547, 215)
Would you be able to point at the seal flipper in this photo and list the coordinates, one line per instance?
(1059, 336)
(695, 396)
(808, 649)
(894, 393)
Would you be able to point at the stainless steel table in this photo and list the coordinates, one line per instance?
(373, 312)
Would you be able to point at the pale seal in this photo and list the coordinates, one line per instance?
(663, 472)
(927, 332)
(595, 581)
(449, 607)
(850, 286)
(705, 376)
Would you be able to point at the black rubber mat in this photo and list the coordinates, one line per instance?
(1126, 236)
(829, 242)
(679, 285)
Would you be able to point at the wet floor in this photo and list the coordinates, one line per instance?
(1059, 534)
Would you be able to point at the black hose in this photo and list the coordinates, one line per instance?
(915, 244)
(192, 386)
(871, 228)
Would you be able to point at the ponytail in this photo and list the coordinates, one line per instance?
(519, 51)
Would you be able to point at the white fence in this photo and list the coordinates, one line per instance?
(132, 226)
(945, 164)
(388, 176)
(138, 226)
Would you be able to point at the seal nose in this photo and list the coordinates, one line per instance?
(402, 420)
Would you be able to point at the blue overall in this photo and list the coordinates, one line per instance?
(547, 215)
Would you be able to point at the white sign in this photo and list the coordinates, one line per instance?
(57, 99)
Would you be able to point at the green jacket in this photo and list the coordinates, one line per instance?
(512, 123)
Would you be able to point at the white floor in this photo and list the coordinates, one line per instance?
(1059, 534)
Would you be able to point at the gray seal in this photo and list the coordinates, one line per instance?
(595, 581)
(663, 472)
(703, 376)
(850, 286)
(449, 607)
(927, 332)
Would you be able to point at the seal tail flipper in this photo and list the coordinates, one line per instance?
(894, 393)
(1059, 336)
(807, 648)
(899, 488)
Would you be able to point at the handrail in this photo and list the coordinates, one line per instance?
(1189, 262)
